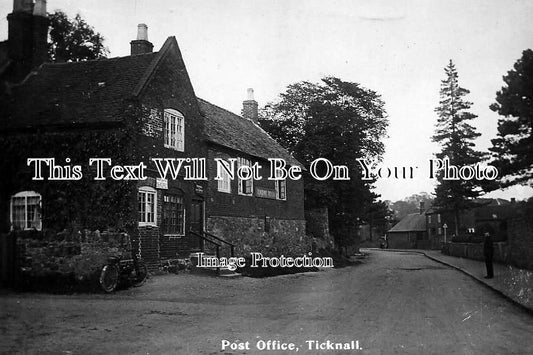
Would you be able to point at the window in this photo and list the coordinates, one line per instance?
(224, 184)
(281, 189)
(173, 215)
(438, 218)
(26, 211)
(147, 206)
(246, 187)
(174, 130)
(429, 219)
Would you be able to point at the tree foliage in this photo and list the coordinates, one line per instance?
(411, 204)
(73, 40)
(339, 121)
(513, 147)
(456, 136)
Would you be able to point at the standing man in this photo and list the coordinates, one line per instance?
(488, 252)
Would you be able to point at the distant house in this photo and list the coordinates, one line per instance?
(129, 110)
(486, 215)
(409, 233)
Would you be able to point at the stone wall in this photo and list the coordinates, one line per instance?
(69, 257)
(266, 235)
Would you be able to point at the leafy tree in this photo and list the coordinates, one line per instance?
(339, 121)
(513, 147)
(410, 205)
(456, 136)
(73, 40)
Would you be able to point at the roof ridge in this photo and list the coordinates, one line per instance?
(95, 60)
(265, 133)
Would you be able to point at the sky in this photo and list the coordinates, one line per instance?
(397, 48)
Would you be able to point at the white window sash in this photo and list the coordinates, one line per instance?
(174, 130)
(25, 211)
(224, 184)
(244, 183)
(148, 206)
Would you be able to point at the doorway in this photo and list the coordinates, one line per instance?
(197, 222)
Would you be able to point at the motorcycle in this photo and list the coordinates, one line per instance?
(119, 271)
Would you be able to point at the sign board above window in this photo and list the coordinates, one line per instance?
(264, 192)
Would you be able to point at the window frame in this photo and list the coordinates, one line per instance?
(279, 190)
(173, 129)
(224, 184)
(164, 226)
(242, 184)
(147, 190)
(38, 210)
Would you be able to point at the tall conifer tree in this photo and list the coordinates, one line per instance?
(513, 147)
(456, 137)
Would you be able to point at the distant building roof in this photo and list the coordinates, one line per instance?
(413, 222)
(235, 132)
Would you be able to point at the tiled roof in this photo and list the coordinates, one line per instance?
(81, 92)
(235, 132)
(411, 223)
(94, 91)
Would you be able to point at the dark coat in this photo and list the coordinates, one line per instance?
(488, 248)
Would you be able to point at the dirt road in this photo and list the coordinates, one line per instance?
(394, 303)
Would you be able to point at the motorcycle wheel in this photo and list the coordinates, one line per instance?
(142, 274)
(109, 278)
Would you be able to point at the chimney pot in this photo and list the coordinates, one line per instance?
(250, 94)
(39, 9)
(142, 32)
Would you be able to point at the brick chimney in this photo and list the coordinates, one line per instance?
(421, 207)
(141, 44)
(249, 106)
(27, 36)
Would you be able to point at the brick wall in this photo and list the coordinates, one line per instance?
(233, 204)
(169, 88)
(475, 251)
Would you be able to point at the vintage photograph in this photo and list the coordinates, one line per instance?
(266, 177)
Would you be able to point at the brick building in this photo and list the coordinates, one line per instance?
(132, 109)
